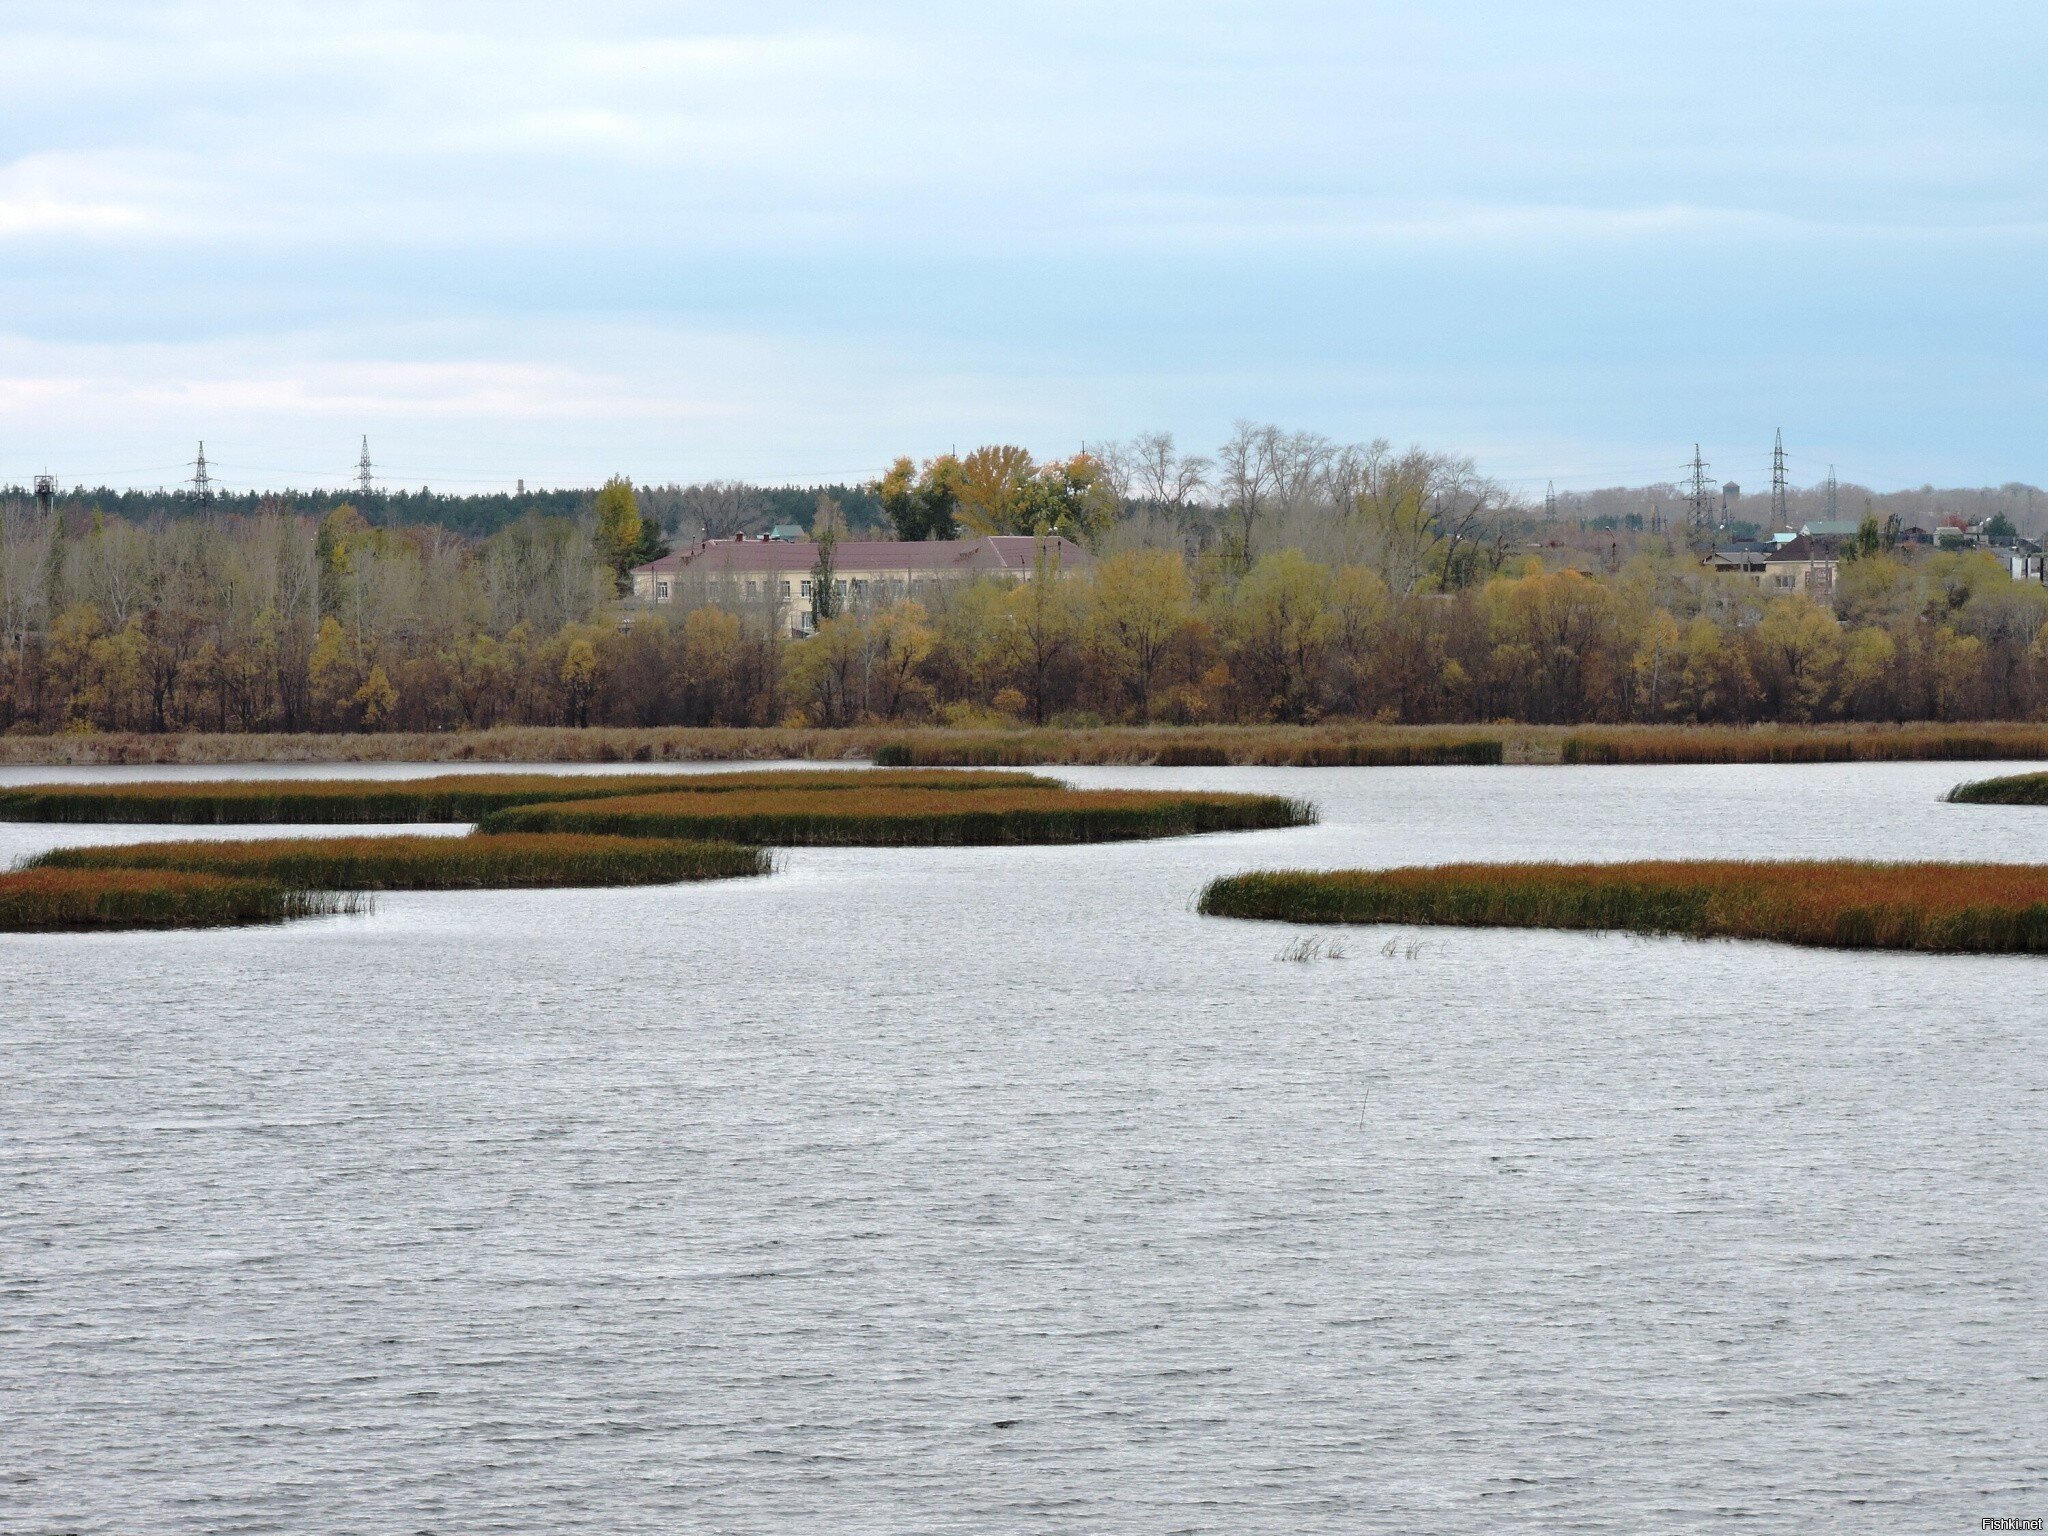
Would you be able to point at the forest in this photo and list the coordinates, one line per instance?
(1296, 582)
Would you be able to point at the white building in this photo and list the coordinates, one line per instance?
(865, 572)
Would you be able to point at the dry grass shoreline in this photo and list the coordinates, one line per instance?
(1187, 746)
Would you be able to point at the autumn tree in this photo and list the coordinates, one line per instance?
(1034, 633)
(922, 503)
(1555, 639)
(619, 534)
(993, 480)
(1280, 621)
(1066, 498)
(1136, 604)
(824, 579)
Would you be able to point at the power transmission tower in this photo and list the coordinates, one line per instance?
(1699, 496)
(365, 481)
(1550, 503)
(1834, 490)
(46, 494)
(1780, 517)
(202, 482)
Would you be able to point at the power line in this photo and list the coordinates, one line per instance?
(1698, 495)
(1780, 517)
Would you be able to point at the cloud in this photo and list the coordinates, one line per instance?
(781, 237)
(68, 195)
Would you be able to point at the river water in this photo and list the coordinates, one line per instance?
(994, 1190)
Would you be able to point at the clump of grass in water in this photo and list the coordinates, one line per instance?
(901, 817)
(52, 899)
(1307, 951)
(477, 862)
(1958, 908)
(2015, 789)
(443, 797)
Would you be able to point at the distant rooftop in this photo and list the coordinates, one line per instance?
(994, 554)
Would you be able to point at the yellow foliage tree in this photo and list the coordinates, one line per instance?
(1281, 622)
(579, 678)
(376, 699)
(618, 526)
(1136, 604)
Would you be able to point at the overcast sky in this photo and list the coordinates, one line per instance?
(787, 241)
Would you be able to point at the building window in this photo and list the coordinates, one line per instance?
(660, 591)
(785, 589)
(807, 589)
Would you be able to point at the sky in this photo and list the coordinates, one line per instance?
(787, 242)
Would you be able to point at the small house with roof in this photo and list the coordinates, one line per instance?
(1796, 566)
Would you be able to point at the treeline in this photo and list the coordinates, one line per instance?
(1746, 510)
(1390, 611)
(723, 507)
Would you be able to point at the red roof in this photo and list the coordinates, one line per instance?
(1003, 552)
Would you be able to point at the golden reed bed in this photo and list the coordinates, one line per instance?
(903, 817)
(44, 899)
(510, 862)
(441, 798)
(1962, 908)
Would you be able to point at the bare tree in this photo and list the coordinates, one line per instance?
(1117, 468)
(1161, 475)
(1244, 479)
(1354, 471)
(28, 550)
(718, 509)
(1299, 466)
(113, 564)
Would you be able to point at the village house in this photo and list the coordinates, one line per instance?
(1795, 566)
(866, 573)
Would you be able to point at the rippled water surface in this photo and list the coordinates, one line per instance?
(993, 1189)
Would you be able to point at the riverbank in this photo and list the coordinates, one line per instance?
(1317, 746)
